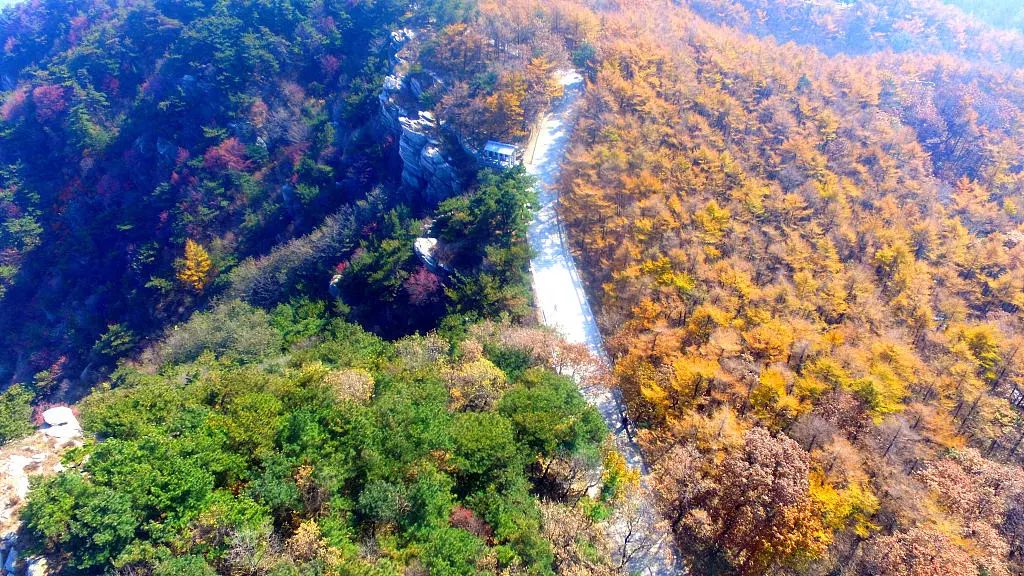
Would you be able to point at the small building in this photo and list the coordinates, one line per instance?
(502, 154)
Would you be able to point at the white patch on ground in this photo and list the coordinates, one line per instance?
(562, 304)
(37, 454)
(17, 477)
(60, 423)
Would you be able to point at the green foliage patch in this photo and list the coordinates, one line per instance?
(215, 462)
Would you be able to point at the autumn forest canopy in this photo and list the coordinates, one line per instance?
(800, 226)
(806, 262)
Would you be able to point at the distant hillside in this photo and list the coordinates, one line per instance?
(868, 26)
(1000, 13)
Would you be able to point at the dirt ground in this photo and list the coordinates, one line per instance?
(35, 455)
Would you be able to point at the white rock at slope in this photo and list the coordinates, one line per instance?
(61, 423)
(7, 542)
(36, 454)
(424, 248)
(392, 83)
(334, 287)
(59, 415)
(402, 35)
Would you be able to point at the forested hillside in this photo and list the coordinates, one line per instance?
(801, 225)
(204, 223)
(157, 155)
(131, 130)
(806, 260)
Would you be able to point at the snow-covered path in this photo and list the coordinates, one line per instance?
(563, 305)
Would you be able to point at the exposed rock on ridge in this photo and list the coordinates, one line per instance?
(425, 168)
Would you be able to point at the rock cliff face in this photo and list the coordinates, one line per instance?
(425, 168)
(423, 165)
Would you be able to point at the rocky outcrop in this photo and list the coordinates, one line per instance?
(426, 170)
(12, 563)
(39, 454)
(11, 560)
(426, 251)
(60, 423)
(424, 167)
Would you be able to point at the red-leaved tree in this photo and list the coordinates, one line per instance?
(228, 155)
(49, 101)
(423, 287)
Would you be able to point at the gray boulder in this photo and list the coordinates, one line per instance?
(12, 560)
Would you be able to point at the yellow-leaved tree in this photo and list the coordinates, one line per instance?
(194, 267)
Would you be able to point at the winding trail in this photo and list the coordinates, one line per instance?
(562, 304)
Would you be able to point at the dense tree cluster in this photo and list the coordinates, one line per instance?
(807, 267)
(291, 443)
(481, 262)
(498, 69)
(488, 77)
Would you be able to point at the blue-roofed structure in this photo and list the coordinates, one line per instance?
(502, 154)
